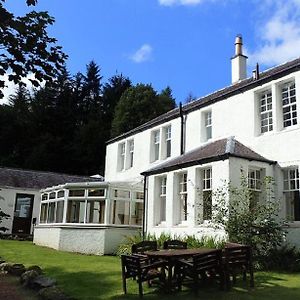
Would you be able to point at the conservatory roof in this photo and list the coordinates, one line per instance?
(213, 151)
(29, 179)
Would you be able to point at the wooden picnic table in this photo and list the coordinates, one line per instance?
(171, 256)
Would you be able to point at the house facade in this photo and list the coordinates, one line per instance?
(249, 128)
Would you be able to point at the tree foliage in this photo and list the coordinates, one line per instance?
(138, 105)
(257, 224)
(26, 48)
(64, 125)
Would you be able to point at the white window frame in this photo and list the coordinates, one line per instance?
(121, 156)
(291, 184)
(288, 104)
(163, 199)
(155, 145)
(183, 196)
(206, 185)
(266, 111)
(208, 124)
(130, 147)
(168, 141)
(255, 181)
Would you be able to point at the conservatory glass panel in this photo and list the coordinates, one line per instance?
(95, 211)
(51, 212)
(44, 210)
(136, 213)
(59, 211)
(76, 211)
(120, 212)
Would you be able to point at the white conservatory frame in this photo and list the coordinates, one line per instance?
(89, 217)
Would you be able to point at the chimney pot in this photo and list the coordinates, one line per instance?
(238, 62)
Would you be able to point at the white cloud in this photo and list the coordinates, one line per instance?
(179, 2)
(144, 53)
(279, 35)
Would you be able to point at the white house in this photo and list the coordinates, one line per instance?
(252, 125)
(20, 196)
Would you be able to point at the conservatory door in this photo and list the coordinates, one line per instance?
(22, 214)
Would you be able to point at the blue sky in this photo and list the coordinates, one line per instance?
(186, 44)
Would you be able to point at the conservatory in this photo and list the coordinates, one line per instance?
(89, 217)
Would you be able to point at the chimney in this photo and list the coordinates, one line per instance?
(238, 62)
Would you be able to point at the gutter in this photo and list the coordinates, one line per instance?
(202, 161)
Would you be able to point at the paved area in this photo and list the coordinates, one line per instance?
(8, 290)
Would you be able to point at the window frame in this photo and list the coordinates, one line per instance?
(291, 193)
(289, 106)
(266, 114)
(183, 196)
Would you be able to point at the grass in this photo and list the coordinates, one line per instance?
(99, 277)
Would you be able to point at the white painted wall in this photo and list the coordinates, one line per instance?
(97, 240)
(141, 160)
(7, 203)
(220, 173)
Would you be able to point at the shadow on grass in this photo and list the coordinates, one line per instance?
(267, 286)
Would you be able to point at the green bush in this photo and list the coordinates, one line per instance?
(250, 222)
(3, 216)
(285, 258)
(192, 242)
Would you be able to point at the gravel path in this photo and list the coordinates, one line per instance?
(8, 290)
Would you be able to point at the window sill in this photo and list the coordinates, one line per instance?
(289, 128)
(293, 224)
(183, 224)
(162, 224)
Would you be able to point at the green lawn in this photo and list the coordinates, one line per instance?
(99, 277)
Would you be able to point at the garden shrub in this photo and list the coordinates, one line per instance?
(192, 241)
(285, 258)
(3, 216)
(255, 224)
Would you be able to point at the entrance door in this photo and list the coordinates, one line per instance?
(23, 214)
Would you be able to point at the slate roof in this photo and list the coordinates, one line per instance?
(214, 151)
(29, 179)
(234, 89)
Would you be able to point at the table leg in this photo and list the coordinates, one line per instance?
(170, 275)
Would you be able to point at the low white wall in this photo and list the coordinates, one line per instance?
(48, 237)
(86, 240)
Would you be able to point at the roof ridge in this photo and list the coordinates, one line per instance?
(230, 145)
(43, 172)
(215, 96)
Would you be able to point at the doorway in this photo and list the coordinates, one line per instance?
(23, 214)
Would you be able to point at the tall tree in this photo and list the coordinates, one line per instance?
(138, 105)
(112, 92)
(26, 48)
(15, 136)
